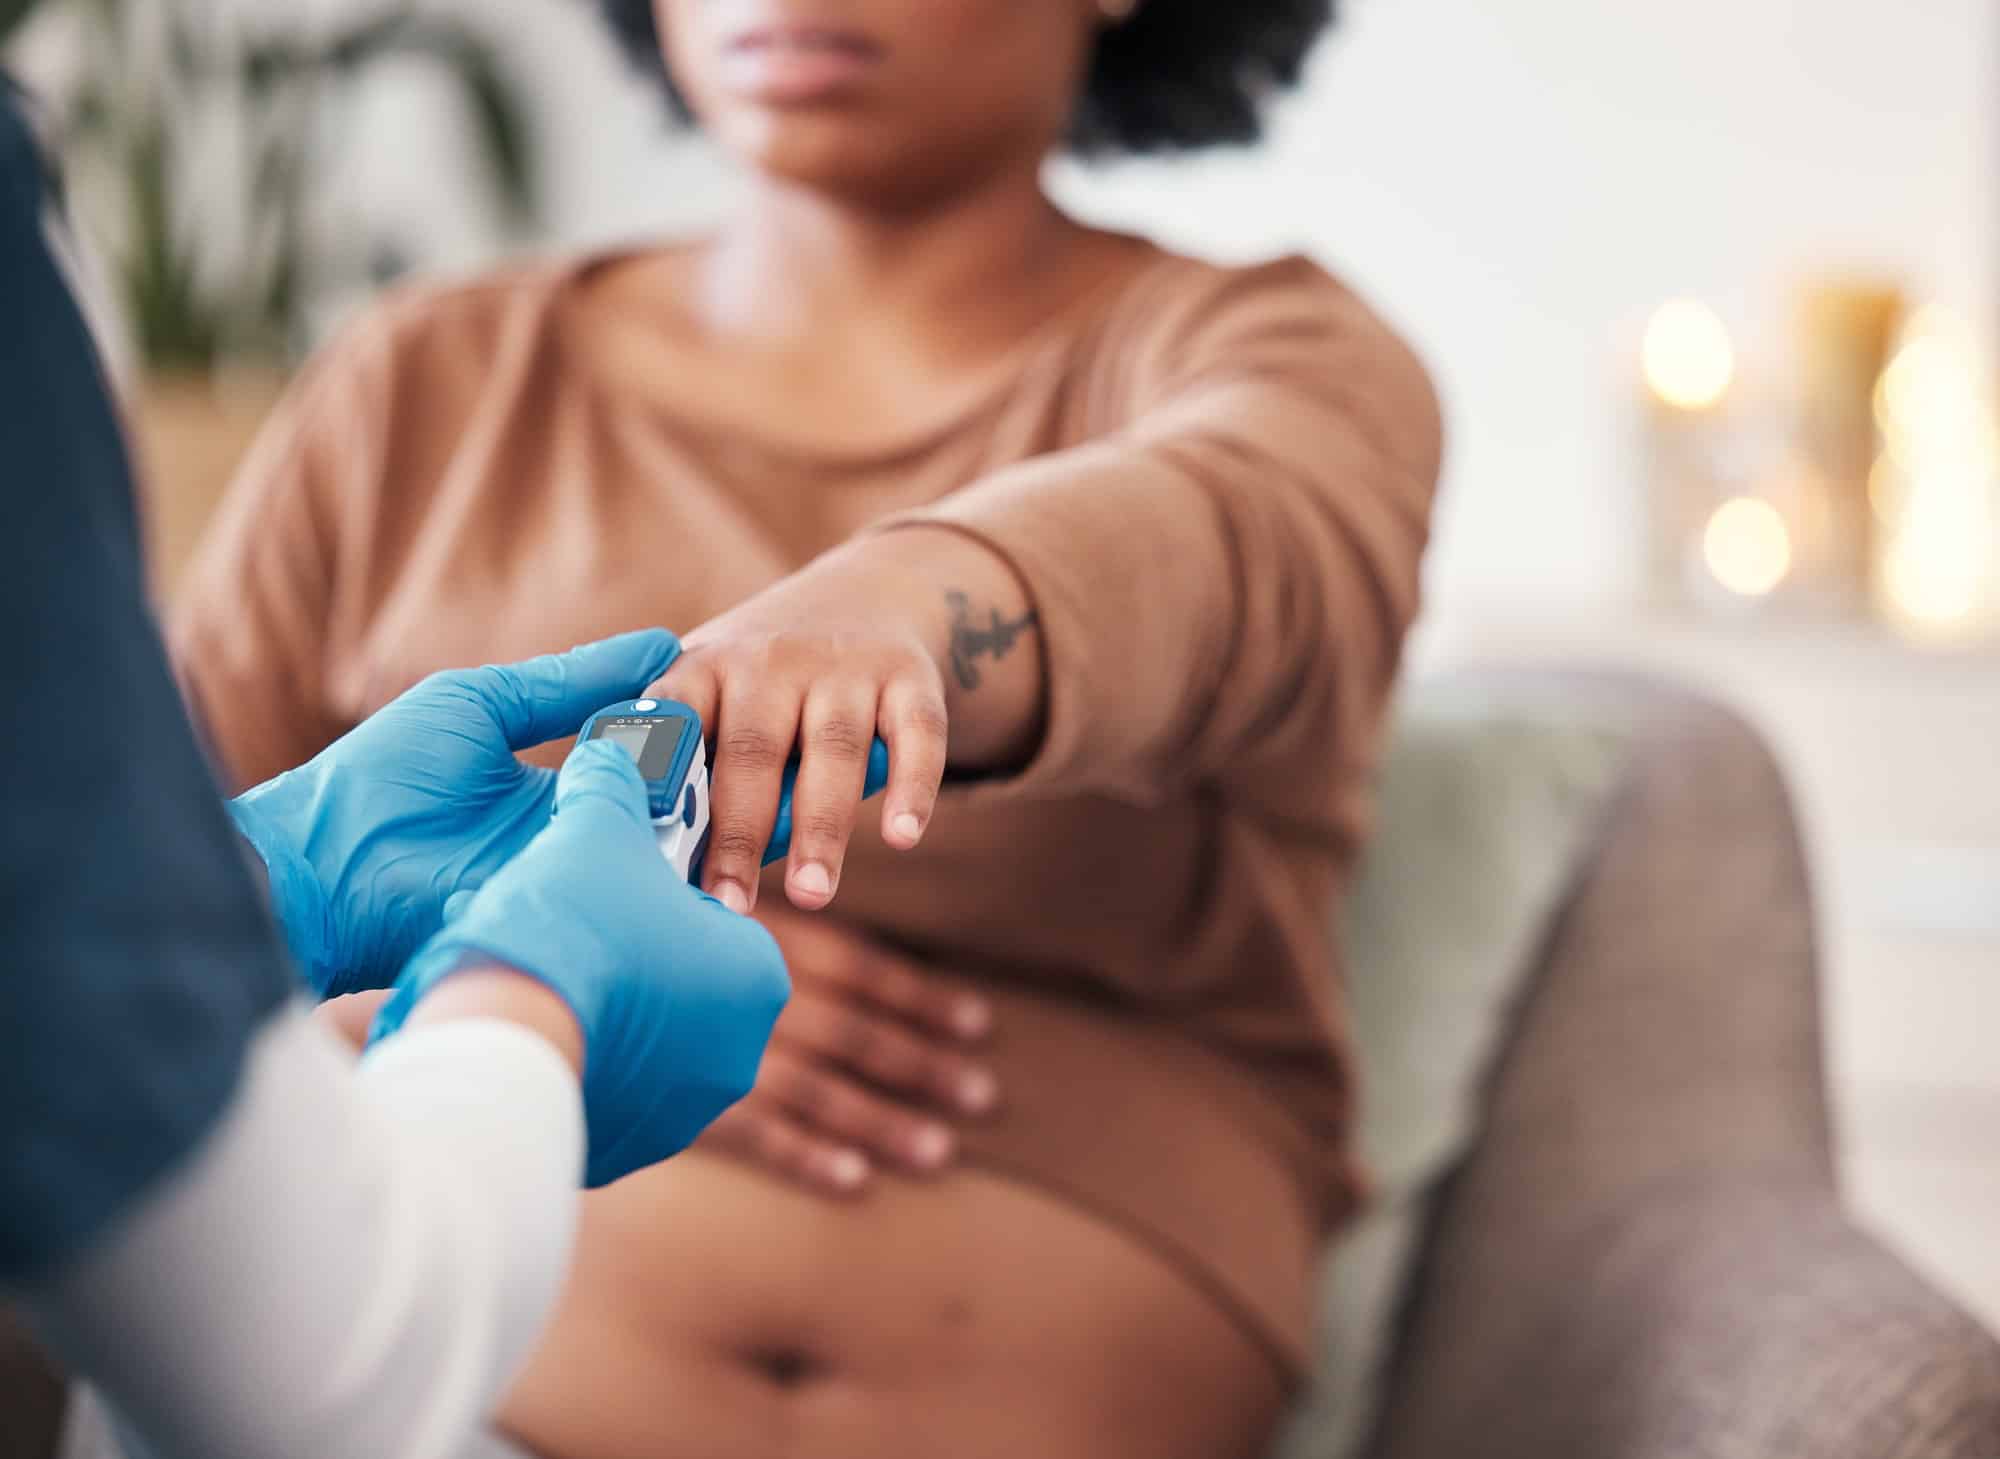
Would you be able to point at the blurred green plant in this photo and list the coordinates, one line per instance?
(145, 69)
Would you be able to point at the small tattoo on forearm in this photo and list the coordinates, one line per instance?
(971, 640)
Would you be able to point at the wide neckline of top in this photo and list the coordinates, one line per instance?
(983, 393)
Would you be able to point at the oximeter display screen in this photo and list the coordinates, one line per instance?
(663, 737)
(649, 739)
(631, 738)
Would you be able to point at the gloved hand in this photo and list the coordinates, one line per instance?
(676, 994)
(367, 841)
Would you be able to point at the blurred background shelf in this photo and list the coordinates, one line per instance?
(1892, 752)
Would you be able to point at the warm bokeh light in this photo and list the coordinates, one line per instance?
(1939, 562)
(1931, 400)
(1688, 358)
(1886, 489)
(1747, 546)
(1933, 582)
(1934, 487)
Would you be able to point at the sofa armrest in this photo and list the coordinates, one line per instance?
(1645, 1255)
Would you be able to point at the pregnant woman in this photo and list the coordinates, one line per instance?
(1121, 544)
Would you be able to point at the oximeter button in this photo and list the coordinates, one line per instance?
(687, 809)
(645, 706)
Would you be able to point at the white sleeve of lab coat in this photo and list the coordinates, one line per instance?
(357, 1261)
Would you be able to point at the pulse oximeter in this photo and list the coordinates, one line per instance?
(664, 737)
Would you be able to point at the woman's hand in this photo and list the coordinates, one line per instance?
(888, 635)
(870, 1065)
(805, 664)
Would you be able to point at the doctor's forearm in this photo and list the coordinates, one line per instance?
(368, 1257)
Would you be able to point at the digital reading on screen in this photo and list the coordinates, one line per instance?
(631, 738)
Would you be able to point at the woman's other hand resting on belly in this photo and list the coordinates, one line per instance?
(870, 1067)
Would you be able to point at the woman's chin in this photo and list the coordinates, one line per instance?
(826, 151)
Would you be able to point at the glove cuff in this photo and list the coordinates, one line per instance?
(298, 902)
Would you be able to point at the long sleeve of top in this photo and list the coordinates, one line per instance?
(255, 1249)
(1223, 582)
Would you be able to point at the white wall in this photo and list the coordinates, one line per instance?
(1518, 182)
(1522, 181)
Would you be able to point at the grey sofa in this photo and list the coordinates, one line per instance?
(1645, 1255)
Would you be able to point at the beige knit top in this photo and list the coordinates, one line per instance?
(1216, 484)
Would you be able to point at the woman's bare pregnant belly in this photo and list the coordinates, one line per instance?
(717, 1314)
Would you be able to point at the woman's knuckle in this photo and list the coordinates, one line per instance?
(902, 989)
(882, 1129)
(809, 1096)
(808, 960)
(844, 959)
(736, 841)
(856, 1039)
(751, 746)
(834, 976)
(896, 1060)
(821, 827)
(926, 716)
(851, 1114)
(840, 737)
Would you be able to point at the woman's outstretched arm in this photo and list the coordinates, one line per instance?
(1224, 580)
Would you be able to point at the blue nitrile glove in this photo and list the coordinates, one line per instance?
(367, 841)
(676, 994)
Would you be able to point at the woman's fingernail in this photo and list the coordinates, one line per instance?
(930, 1147)
(977, 1090)
(971, 1018)
(813, 880)
(732, 896)
(905, 827)
(847, 1169)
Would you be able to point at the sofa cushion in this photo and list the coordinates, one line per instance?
(1487, 805)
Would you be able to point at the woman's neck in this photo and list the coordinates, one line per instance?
(965, 275)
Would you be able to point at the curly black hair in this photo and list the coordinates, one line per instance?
(1178, 75)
